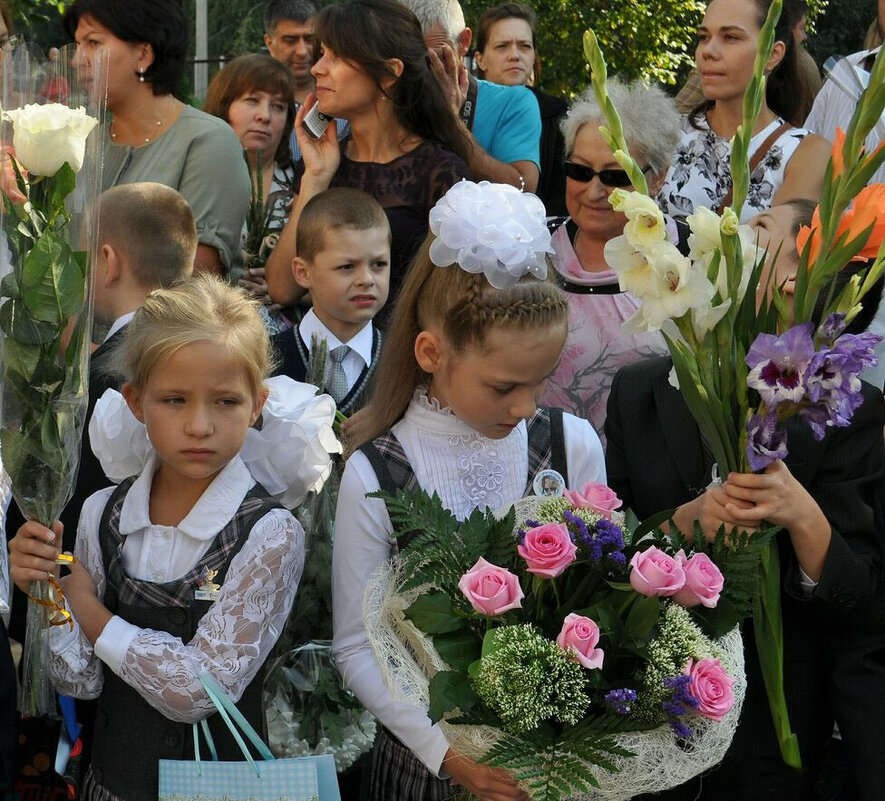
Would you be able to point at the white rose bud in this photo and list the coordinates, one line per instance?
(729, 222)
(46, 136)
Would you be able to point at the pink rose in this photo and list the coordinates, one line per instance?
(656, 573)
(579, 635)
(711, 685)
(703, 581)
(597, 497)
(548, 549)
(491, 590)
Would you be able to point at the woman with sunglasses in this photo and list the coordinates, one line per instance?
(786, 162)
(597, 347)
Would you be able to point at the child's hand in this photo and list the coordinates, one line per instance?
(776, 496)
(79, 584)
(773, 495)
(32, 553)
(487, 784)
(710, 510)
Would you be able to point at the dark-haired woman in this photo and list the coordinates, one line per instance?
(787, 162)
(506, 53)
(406, 147)
(153, 136)
(253, 94)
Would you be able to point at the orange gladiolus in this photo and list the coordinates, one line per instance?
(868, 209)
(837, 155)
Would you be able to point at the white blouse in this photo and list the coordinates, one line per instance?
(468, 471)
(233, 638)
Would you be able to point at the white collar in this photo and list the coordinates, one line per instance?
(216, 506)
(123, 319)
(360, 343)
(427, 415)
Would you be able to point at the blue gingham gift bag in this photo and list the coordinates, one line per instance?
(310, 778)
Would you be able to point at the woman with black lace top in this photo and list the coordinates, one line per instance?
(406, 147)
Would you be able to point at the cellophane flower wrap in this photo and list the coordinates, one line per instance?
(560, 641)
(51, 168)
(746, 361)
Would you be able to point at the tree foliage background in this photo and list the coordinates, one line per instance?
(651, 39)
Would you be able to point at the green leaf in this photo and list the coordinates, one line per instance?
(21, 358)
(433, 614)
(450, 690)
(63, 183)
(52, 285)
(16, 323)
(642, 617)
(457, 648)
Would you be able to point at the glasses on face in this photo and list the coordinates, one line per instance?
(584, 174)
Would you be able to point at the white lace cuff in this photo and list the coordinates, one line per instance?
(289, 456)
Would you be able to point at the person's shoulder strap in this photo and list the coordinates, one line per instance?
(109, 540)
(757, 157)
(390, 463)
(468, 107)
(546, 443)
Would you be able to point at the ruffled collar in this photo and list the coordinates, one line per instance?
(216, 506)
(290, 455)
(427, 414)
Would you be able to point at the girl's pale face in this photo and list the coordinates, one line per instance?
(509, 54)
(258, 119)
(494, 387)
(726, 49)
(197, 405)
(125, 59)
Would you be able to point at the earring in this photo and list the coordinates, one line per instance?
(141, 76)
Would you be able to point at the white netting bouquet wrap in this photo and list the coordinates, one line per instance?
(673, 721)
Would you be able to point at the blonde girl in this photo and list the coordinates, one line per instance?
(188, 568)
(454, 412)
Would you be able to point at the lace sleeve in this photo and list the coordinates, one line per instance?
(74, 667)
(234, 637)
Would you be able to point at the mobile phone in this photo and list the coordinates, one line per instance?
(315, 122)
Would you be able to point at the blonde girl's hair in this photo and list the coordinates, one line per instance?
(201, 309)
(465, 308)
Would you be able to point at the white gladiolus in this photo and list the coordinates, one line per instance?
(705, 233)
(46, 136)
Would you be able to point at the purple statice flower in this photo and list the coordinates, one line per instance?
(520, 535)
(831, 327)
(617, 558)
(577, 527)
(619, 701)
(778, 363)
(610, 535)
(766, 440)
(679, 704)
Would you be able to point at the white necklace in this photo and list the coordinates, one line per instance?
(161, 121)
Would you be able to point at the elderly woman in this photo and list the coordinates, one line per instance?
(597, 346)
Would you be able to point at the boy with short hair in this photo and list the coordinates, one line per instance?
(148, 240)
(344, 261)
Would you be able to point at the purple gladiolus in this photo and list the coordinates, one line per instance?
(767, 440)
(831, 327)
(778, 363)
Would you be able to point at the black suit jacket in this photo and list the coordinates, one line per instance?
(834, 637)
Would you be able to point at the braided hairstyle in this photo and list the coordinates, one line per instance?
(464, 308)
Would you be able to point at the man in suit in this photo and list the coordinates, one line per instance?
(832, 620)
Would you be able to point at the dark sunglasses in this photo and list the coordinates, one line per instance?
(584, 174)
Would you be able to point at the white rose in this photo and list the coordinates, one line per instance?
(46, 136)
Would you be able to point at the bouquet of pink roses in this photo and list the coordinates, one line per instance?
(562, 643)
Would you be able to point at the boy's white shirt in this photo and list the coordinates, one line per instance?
(123, 319)
(467, 470)
(360, 344)
(233, 638)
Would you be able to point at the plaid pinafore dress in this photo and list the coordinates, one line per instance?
(397, 774)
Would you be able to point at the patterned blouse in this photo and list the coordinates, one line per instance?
(596, 346)
(701, 173)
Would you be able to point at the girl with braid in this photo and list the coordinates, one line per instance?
(475, 334)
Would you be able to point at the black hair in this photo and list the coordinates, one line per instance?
(368, 33)
(299, 11)
(160, 23)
